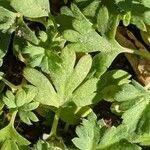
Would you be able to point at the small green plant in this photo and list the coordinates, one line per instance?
(23, 103)
(66, 72)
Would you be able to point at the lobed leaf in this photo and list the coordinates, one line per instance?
(93, 135)
(20, 98)
(46, 93)
(79, 73)
(31, 8)
(9, 100)
(22, 101)
(7, 19)
(9, 145)
(134, 106)
(9, 133)
(24, 32)
(85, 94)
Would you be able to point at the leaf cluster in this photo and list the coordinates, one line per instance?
(66, 74)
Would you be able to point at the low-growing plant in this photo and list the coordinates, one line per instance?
(64, 63)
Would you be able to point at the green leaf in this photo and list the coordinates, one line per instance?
(134, 100)
(46, 93)
(144, 139)
(84, 38)
(117, 138)
(79, 73)
(10, 95)
(31, 8)
(106, 13)
(9, 133)
(126, 10)
(5, 41)
(32, 117)
(45, 55)
(138, 120)
(22, 101)
(68, 60)
(65, 86)
(61, 72)
(89, 7)
(30, 106)
(88, 39)
(124, 95)
(42, 145)
(85, 94)
(65, 78)
(31, 92)
(9, 145)
(103, 20)
(102, 61)
(20, 98)
(110, 83)
(24, 116)
(94, 90)
(27, 117)
(23, 31)
(10, 103)
(44, 58)
(139, 18)
(88, 134)
(73, 84)
(88, 42)
(36, 53)
(7, 19)
(93, 135)
(9, 100)
(71, 35)
(72, 114)
(127, 18)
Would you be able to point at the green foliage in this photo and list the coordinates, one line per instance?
(5, 39)
(23, 102)
(10, 138)
(93, 135)
(110, 12)
(66, 79)
(46, 93)
(7, 19)
(45, 55)
(65, 74)
(72, 88)
(83, 35)
(41, 145)
(32, 8)
(24, 32)
(134, 99)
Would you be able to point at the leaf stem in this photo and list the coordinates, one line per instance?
(54, 22)
(13, 118)
(55, 124)
(12, 86)
(142, 53)
(66, 127)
